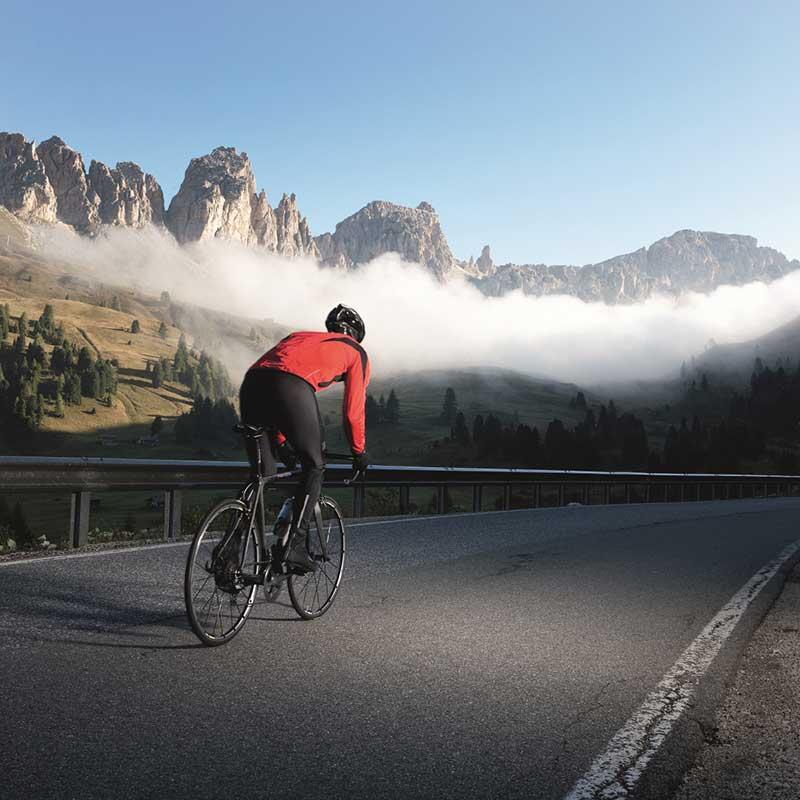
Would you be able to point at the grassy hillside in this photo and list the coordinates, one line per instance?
(28, 282)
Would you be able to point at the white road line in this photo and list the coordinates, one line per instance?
(615, 772)
(405, 520)
(138, 549)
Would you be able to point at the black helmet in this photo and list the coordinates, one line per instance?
(344, 319)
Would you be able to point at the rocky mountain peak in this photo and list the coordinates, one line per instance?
(76, 201)
(24, 188)
(127, 195)
(686, 261)
(381, 227)
(218, 199)
(484, 263)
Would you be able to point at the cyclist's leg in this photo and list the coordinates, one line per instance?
(296, 414)
(255, 406)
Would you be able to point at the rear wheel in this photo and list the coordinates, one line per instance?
(312, 594)
(218, 600)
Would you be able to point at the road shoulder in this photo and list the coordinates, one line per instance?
(753, 748)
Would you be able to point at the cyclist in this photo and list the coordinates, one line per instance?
(278, 393)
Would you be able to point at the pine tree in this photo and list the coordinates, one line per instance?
(157, 376)
(460, 432)
(59, 409)
(449, 406)
(4, 325)
(393, 408)
(381, 409)
(156, 426)
(116, 305)
(72, 388)
(181, 360)
(58, 360)
(85, 360)
(135, 326)
(47, 322)
(162, 330)
(22, 324)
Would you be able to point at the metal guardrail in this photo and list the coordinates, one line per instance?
(82, 476)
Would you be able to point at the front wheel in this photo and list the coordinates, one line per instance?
(312, 594)
(223, 552)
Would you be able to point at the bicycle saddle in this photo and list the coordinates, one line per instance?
(249, 430)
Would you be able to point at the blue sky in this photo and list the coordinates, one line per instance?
(562, 132)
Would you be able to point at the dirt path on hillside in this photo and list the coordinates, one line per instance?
(86, 336)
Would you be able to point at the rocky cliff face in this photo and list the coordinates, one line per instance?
(126, 195)
(49, 183)
(686, 261)
(381, 227)
(76, 201)
(24, 188)
(218, 199)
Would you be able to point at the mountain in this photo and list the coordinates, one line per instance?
(688, 260)
(49, 183)
(218, 199)
(780, 346)
(381, 227)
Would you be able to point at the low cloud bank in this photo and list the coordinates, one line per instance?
(413, 322)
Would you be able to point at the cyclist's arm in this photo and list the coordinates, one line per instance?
(355, 395)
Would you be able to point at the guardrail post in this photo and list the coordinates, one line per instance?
(477, 497)
(358, 500)
(585, 497)
(172, 513)
(404, 499)
(440, 499)
(627, 493)
(561, 494)
(765, 491)
(647, 493)
(79, 519)
(683, 493)
(537, 495)
(506, 497)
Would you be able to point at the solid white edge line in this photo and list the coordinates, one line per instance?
(159, 545)
(349, 525)
(615, 772)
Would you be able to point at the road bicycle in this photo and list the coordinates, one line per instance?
(230, 558)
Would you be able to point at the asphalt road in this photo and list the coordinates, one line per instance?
(485, 656)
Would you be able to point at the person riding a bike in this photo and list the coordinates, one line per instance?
(278, 393)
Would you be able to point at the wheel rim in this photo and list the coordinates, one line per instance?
(217, 601)
(313, 593)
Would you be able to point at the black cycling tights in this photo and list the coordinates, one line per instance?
(282, 401)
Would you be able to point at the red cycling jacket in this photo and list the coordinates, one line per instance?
(321, 359)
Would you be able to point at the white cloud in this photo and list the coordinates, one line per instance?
(413, 322)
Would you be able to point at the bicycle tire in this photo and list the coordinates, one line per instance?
(198, 563)
(313, 593)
